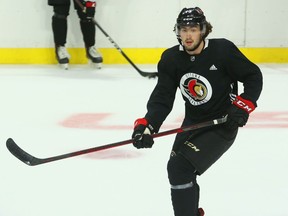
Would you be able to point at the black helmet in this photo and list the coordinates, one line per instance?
(190, 16)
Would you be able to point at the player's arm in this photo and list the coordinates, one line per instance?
(159, 106)
(243, 70)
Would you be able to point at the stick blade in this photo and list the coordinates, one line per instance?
(150, 75)
(20, 153)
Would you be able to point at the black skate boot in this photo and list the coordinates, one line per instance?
(62, 56)
(94, 56)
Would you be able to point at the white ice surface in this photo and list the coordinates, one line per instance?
(250, 179)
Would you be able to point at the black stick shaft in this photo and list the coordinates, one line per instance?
(142, 73)
(32, 161)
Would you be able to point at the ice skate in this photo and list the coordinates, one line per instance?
(94, 56)
(62, 56)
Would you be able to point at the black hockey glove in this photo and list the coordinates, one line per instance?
(142, 134)
(238, 113)
(89, 8)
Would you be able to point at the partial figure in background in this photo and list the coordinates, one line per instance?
(207, 72)
(59, 26)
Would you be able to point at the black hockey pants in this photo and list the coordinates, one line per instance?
(192, 154)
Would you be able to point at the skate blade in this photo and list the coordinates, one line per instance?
(64, 66)
(95, 65)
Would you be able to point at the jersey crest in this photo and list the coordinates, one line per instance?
(195, 88)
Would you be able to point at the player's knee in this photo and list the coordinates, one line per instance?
(180, 172)
(59, 16)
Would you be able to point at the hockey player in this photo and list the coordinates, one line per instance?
(207, 72)
(59, 26)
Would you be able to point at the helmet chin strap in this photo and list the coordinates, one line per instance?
(203, 31)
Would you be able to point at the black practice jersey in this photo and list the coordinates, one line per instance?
(207, 81)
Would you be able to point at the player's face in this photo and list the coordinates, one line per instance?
(191, 38)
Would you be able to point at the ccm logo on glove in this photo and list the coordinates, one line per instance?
(246, 105)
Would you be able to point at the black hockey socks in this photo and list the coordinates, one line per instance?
(185, 201)
(88, 31)
(184, 188)
(59, 27)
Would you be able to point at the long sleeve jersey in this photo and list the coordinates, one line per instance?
(207, 81)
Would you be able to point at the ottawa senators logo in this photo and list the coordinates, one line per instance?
(195, 88)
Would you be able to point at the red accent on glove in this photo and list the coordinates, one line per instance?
(90, 4)
(244, 104)
(140, 121)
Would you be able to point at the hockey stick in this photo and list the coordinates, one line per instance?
(142, 73)
(32, 161)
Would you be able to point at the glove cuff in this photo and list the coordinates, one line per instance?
(244, 104)
(90, 4)
(143, 121)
